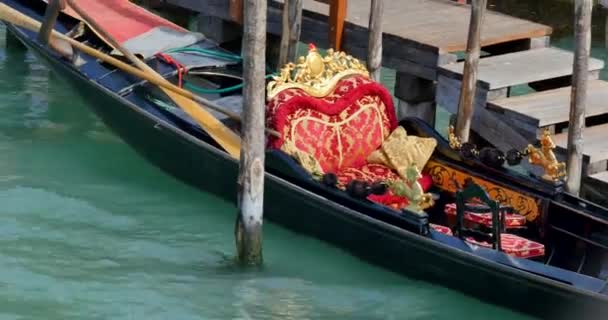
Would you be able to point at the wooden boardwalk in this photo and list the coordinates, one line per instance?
(421, 40)
(418, 35)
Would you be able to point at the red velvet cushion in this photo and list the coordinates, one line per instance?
(511, 244)
(369, 173)
(339, 130)
(515, 246)
(512, 220)
(442, 229)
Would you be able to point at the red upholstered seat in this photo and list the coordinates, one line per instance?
(341, 129)
(511, 220)
(511, 244)
(442, 229)
(515, 246)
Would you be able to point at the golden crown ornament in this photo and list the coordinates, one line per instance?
(317, 75)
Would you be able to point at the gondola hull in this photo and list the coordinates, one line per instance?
(488, 276)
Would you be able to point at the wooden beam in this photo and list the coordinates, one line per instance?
(582, 41)
(292, 24)
(469, 78)
(236, 11)
(337, 16)
(50, 17)
(248, 228)
(374, 51)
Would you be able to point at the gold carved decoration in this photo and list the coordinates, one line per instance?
(406, 155)
(544, 157)
(450, 179)
(411, 189)
(453, 139)
(315, 74)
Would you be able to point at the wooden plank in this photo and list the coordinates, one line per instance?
(522, 67)
(595, 142)
(600, 176)
(413, 30)
(551, 107)
(438, 23)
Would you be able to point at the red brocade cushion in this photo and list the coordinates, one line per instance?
(512, 220)
(339, 130)
(369, 173)
(515, 246)
(511, 244)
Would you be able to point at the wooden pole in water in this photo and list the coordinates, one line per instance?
(374, 50)
(578, 100)
(50, 16)
(292, 25)
(248, 228)
(469, 76)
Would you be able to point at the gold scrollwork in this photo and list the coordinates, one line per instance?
(316, 75)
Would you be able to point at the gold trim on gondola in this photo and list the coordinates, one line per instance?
(317, 75)
(545, 158)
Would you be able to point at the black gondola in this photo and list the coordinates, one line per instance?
(454, 243)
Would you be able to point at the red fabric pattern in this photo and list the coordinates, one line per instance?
(442, 229)
(390, 200)
(369, 173)
(515, 246)
(340, 130)
(511, 244)
(511, 220)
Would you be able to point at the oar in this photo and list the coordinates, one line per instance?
(15, 17)
(222, 134)
(183, 98)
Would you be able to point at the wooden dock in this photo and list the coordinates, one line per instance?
(421, 41)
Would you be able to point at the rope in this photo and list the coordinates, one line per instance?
(181, 69)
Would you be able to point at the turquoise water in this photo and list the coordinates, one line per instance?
(89, 230)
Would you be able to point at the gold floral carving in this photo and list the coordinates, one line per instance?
(317, 75)
(449, 179)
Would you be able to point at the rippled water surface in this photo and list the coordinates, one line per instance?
(89, 230)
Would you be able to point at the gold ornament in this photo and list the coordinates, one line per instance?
(545, 158)
(454, 140)
(315, 74)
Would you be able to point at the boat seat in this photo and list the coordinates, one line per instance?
(512, 220)
(511, 244)
(328, 110)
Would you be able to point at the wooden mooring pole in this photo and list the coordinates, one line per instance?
(50, 16)
(374, 50)
(292, 24)
(249, 221)
(469, 77)
(578, 100)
